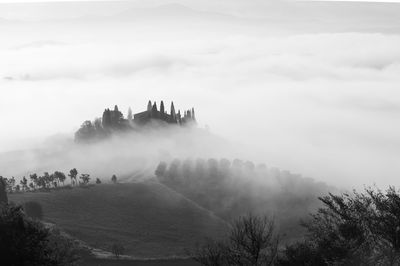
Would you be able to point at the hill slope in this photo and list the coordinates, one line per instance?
(148, 219)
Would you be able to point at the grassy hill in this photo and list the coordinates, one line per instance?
(148, 219)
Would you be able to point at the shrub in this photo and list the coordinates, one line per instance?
(251, 241)
(28, 242)
(356, 229)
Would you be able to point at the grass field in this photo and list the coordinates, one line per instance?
(148, 219)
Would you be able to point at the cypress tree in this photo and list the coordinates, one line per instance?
(106, 121)
(162, 107)
(154, 106)
(173, 114)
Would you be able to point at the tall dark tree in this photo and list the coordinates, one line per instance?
(24, 184)
(162, 107)
(59, 176)
(154, 108)
(114, 179)
(41, 182)
(48, 179)
(116, 117)
(106, 120)
(73, 173)
(173, 114)
(34, 179)
(179, 117)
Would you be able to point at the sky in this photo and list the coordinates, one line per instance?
(308, 87)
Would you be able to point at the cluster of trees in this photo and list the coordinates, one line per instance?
(360, 229)
(231, 189)
(102, 127)
(113, 119)
(49, 181)
(90, 131)
(45, 181)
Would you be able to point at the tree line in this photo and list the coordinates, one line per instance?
(233, 188)
(49, 181)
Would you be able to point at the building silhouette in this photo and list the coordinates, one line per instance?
(115, 119)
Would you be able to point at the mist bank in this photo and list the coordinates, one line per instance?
(130, 155)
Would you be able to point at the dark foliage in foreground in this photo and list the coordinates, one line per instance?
(251, 241)
(33, 210)
(358, 229)
(3, 192)
(350, 229)
(28, 242)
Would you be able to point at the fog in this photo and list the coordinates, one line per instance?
(132, 156)
(303, 87)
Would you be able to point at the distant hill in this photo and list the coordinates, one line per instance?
(150, 220)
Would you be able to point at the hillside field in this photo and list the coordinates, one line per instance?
(148, 219)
